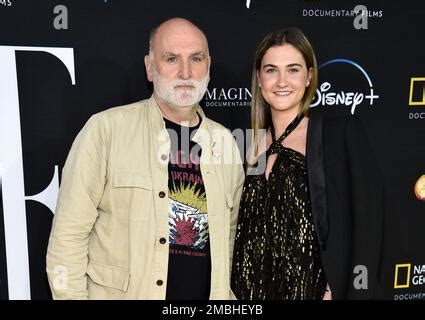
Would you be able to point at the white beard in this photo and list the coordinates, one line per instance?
(167, 91)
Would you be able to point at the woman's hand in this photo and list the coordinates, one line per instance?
(328, 293)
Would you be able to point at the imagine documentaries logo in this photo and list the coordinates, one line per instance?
(228, 97)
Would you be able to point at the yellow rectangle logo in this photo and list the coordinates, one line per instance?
(417, 86)
(396, 276)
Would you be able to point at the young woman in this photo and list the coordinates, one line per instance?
(298, 234)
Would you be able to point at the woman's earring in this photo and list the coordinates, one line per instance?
(308, 83)
(259, 84)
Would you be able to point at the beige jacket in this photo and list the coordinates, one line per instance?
(110, 216)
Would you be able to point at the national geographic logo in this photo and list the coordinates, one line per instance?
(405, 278)
(417, 97)
(417, 92)
(6, 3)
(402, 276)
(228, 97)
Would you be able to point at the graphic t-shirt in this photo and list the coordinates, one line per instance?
(189, 266)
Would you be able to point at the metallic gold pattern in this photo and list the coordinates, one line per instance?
(276, 253)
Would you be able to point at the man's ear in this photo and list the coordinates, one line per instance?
(148, 66)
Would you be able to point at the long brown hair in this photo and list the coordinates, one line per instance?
(260, 110)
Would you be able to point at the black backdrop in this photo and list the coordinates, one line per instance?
(109, 39)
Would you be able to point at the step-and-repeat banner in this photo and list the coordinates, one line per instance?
(62, 61)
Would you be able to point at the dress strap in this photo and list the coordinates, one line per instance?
(276, 145)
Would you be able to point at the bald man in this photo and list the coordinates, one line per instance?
(150, 191)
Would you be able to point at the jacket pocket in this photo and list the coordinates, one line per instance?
(132, 195)
(108, 276)
(132, 179)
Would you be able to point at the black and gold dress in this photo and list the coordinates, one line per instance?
(276, 254)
